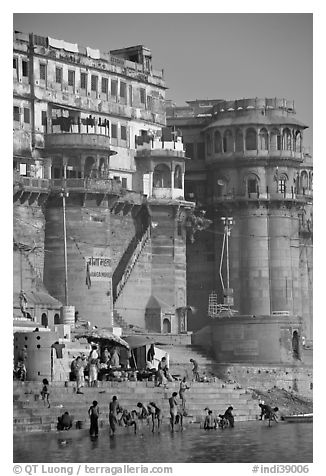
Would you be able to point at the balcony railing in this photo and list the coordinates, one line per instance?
(72, 140)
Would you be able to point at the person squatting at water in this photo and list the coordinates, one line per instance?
(155, 413)
(114, 409)
(210, 422)
(143, 412)
(64, 422)
(129, 419)
(45, 392)
(268, 413)
(93, 413)
(228, 417)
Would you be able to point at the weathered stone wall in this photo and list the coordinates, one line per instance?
(263, 377)
(28, 229)
(90, 229)
(201, 277)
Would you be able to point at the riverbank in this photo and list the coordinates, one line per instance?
(288, 403)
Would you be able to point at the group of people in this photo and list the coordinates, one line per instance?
(211, 422)
(268, 413)
(93, 364)
(124, 417)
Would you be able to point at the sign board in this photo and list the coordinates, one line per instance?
(100, 265)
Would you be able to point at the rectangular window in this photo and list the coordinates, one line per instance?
(22, 169)
(15, 63)
(16, 114)
(114, 131)
(83, 81)
(105, 85)
(44, 118)
(94, 80)
(42, 72)
(282, 185)
(124, 182)
(123, 132)
(123, 89)
(26, 115)
(25, 69)
(71, 78)
(114, 87)
(142, 95)
(58, 75)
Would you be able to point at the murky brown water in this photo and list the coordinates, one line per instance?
(247, 442)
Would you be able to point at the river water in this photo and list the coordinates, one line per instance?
(248, 442)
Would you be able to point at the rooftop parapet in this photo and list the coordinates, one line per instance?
(170, 142)
(74, 53)
(283, 105)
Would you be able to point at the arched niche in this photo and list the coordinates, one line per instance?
(162, 176)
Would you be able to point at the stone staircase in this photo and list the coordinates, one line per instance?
(30, 413)
(179, 360)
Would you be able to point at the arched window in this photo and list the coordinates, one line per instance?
(239, 141)
(56, 319)
(281, 183)
(177, 177)
(251, 139)
(287, 139)
(44, 320)
(166, 326)
(276, 140)
(252, 184)
(304, 180)
(101, 167)
(162, 176)
(297, 141)
(217, 142)
(311, 176)
(228, 141)
(263, 139)
(89, 164)
(208, 144)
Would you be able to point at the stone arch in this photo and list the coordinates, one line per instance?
(297, 141)
(162, 176)
(56, 319)
(89, 165)
(166, 326)
(102, 167)
(217, 142)
(238, 140)
(228, 141)
(311, 177)
(281, 183)
(177, 177)
(276, 140)
(263, 139)
(287, 139)
(252, 183)
(251, 139)
(304, 180)
(296, 345)
(44, 320)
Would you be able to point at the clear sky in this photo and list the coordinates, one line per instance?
(204, 55)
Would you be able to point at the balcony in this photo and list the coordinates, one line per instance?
(148, 146)
(75, 141)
